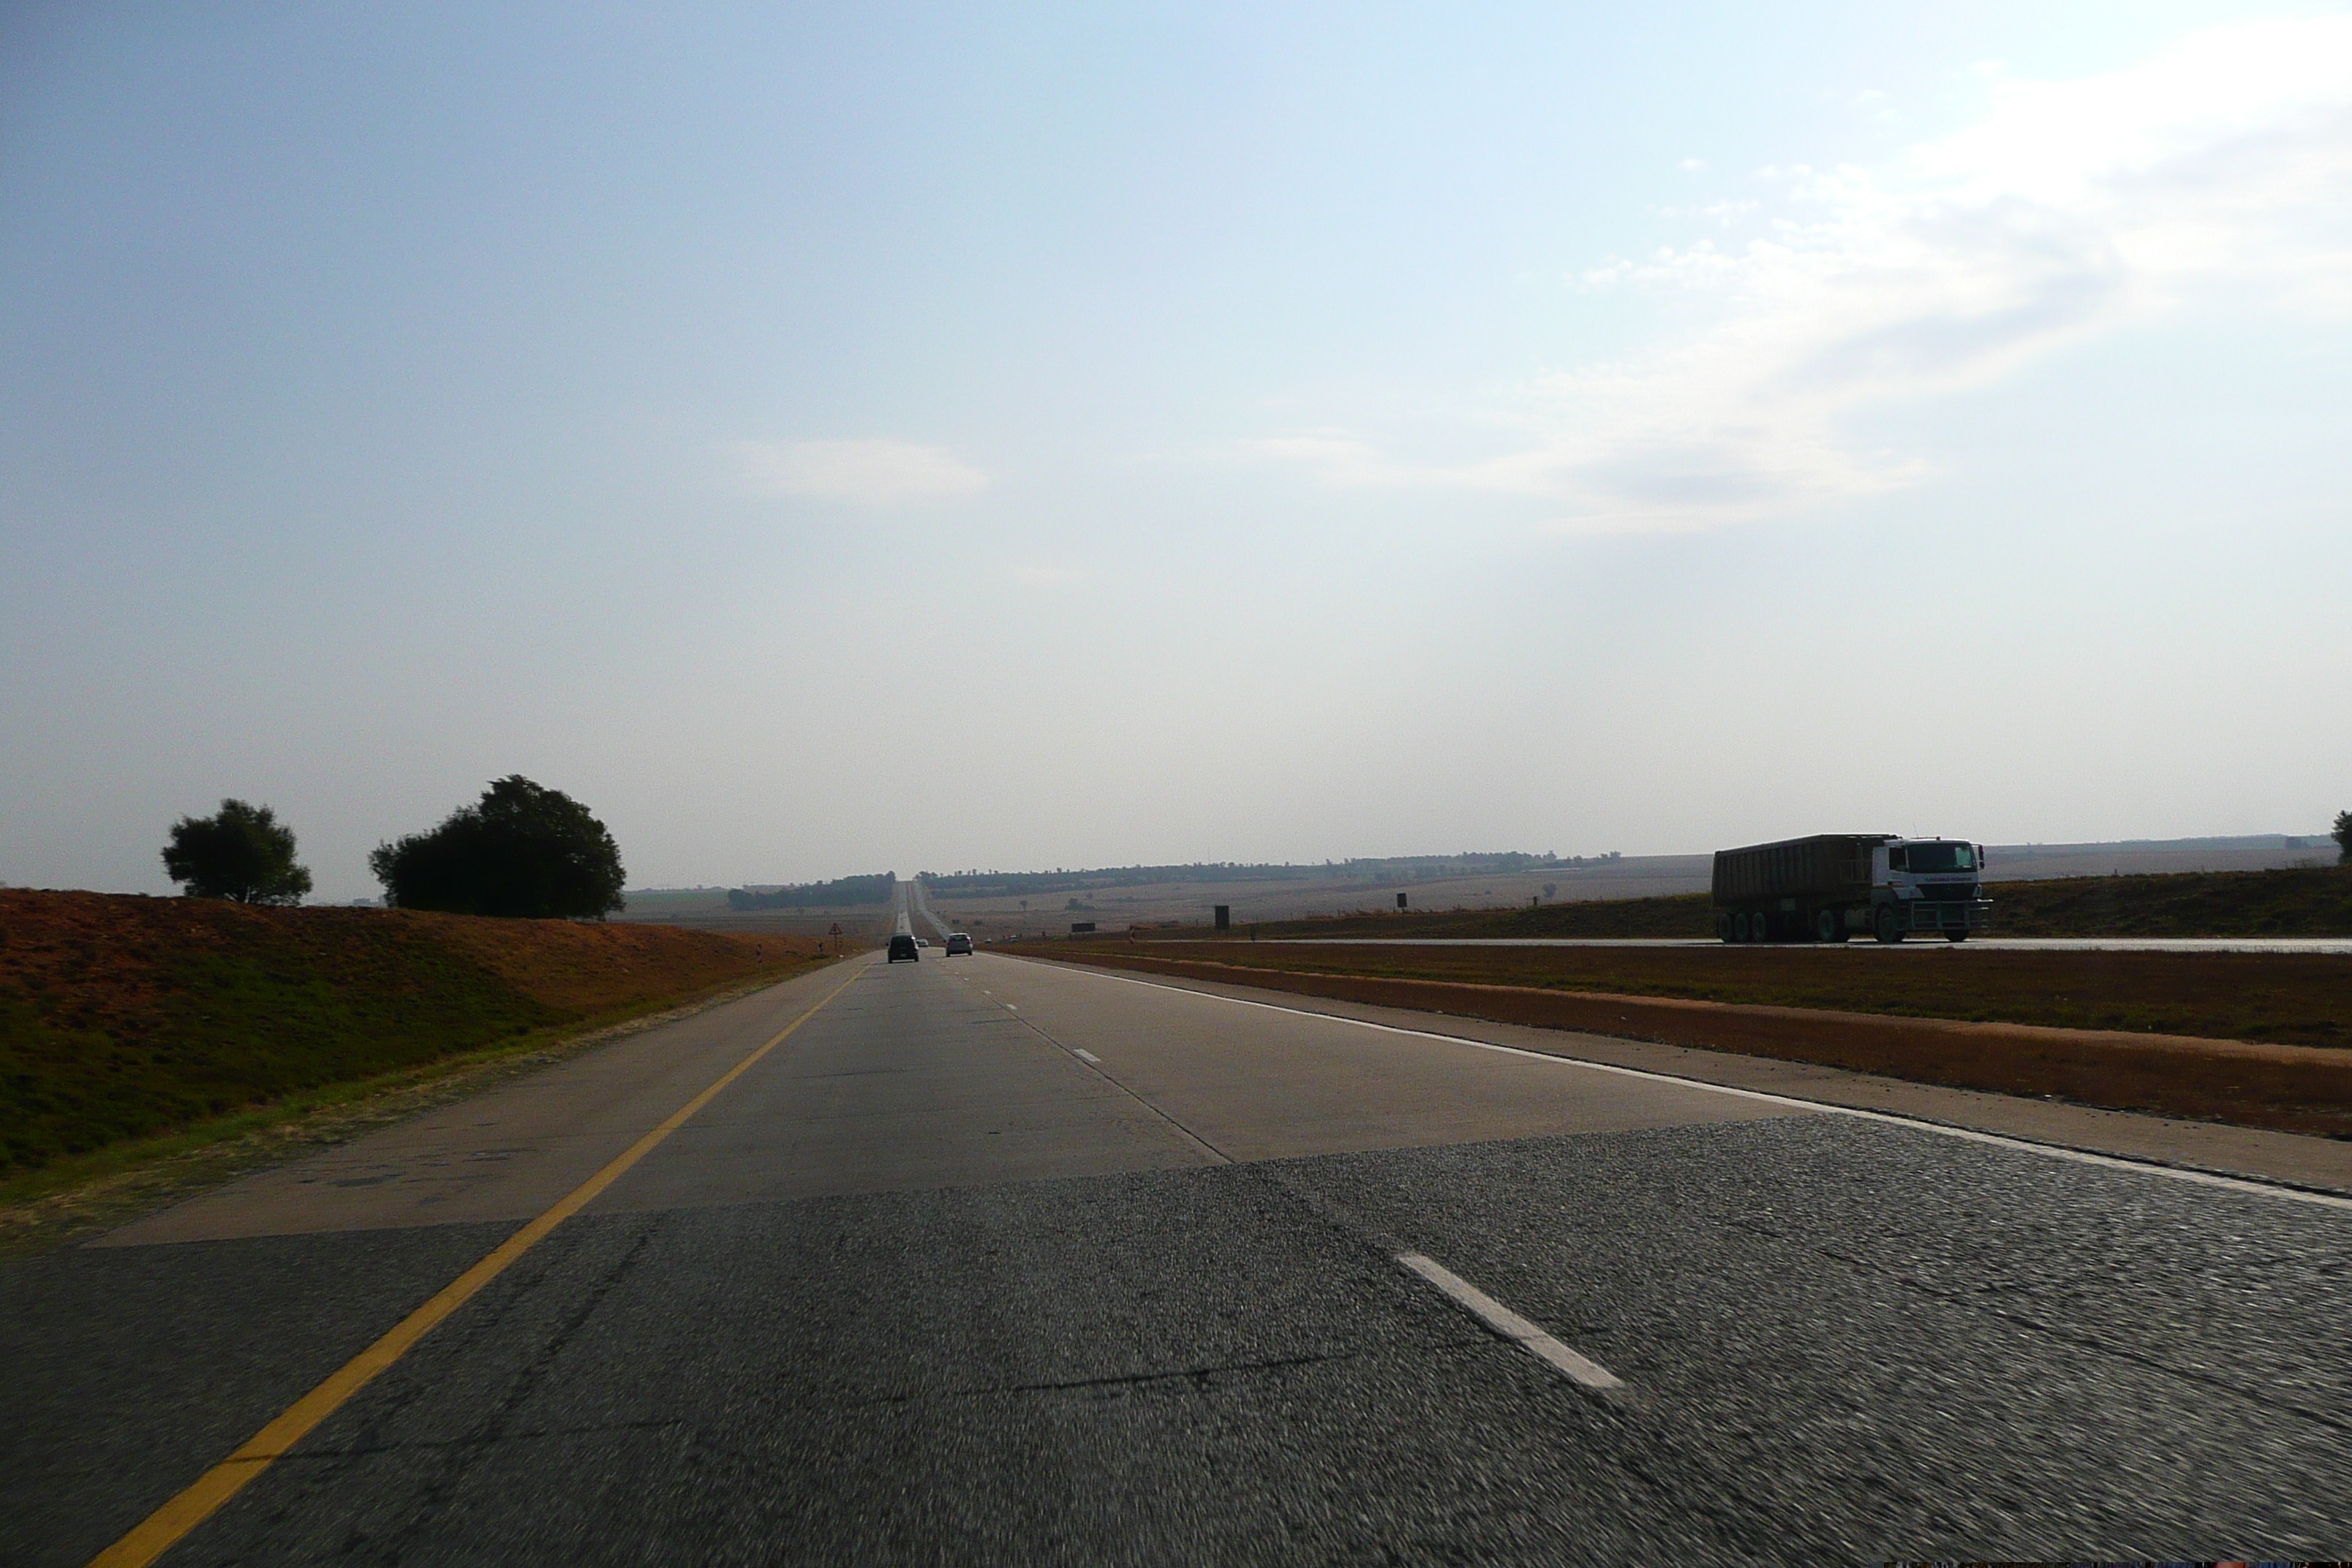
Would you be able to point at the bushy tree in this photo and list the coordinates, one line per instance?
(522, 850)
(2343, 837)
(242, 852)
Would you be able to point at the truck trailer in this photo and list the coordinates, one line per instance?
(1828, 887)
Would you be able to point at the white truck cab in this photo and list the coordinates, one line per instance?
(1932, 886)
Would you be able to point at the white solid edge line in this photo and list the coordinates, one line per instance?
(1508, 1324)
(1088, 1055)
(1966, 1134)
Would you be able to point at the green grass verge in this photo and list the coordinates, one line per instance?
(236, 1030)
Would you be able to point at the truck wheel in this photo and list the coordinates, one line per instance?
(1826, 926)
(1889, 929)
(1723, 925)
(1740, 926)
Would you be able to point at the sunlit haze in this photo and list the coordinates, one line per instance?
(838, 439)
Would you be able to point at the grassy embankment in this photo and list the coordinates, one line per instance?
(133, 1024)
(2315, 902)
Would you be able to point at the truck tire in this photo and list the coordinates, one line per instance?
(1827, 926)
(1723, 924)
(1740, 926)
(1888, 929)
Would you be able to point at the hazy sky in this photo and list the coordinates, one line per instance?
(832, 439)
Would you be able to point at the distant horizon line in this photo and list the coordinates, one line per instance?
(2319, 840)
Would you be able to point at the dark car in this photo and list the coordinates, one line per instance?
(958, 942)
(903, 946)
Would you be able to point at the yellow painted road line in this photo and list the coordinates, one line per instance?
(155, 1534)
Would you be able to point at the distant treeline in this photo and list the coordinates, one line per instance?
(1398, 869)
(876, 889)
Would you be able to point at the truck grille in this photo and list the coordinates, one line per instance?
(1934, 914)
(1949, 892)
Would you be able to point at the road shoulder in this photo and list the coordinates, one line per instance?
(2295, 1160)
(272, 1138)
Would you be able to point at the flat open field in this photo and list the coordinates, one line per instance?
(1117, 909)
(2251, 1038)
(706, 909)
(122, 1017)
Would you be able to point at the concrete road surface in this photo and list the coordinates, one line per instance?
(991, 1262)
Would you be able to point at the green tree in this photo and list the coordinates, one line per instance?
(2343, 837)
(243, 852)
(522, 850)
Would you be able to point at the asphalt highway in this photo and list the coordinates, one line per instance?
(994, 1261)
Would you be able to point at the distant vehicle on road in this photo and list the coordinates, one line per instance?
(903, 946)
(958, 942)
(1828, 887)
(922, 942)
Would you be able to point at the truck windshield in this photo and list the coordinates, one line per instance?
(1942, 858)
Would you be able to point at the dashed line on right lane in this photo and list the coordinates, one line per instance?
(2278, 1189)
(1491, 1314)
(1506, 1324)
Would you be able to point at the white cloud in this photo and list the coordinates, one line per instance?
(1340, 458)
(2222, 167)
(863, 473)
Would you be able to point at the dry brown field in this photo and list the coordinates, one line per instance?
(2033, 862)
(706, 909)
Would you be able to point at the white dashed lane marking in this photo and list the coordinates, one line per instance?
(1507, 1324)
(1827, 1108)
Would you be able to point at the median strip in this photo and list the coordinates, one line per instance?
(159, 1530)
